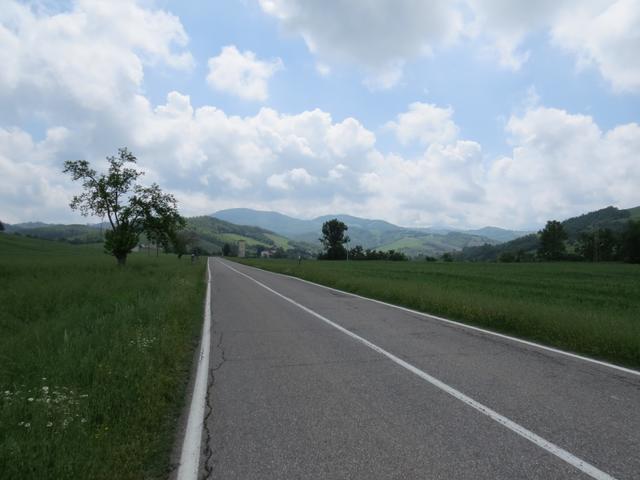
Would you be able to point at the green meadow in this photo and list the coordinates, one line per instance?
(94, 359)
(591, 309)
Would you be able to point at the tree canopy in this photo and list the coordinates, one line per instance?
(631, 242)
(130, 208)
(333, 240)
(552, 239)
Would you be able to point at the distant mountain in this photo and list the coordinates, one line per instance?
(274, 221)
(66, 233)
(26, 225)
(374, 234)
(497, 234)
(213, 233)
(210, 235)
(610, 217)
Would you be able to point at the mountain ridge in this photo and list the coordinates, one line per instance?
(288, 225)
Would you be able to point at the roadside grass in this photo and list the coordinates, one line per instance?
(94, 360)
(591, 309)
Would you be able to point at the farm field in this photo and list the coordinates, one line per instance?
(591, 309)
(93, 359)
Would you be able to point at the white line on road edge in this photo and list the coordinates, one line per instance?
(462, 325)
(511, 425)
(190, 457)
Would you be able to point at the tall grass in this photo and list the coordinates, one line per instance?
(93, 360)
(592, 309)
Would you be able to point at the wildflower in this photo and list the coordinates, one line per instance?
(27, 425)
(49, 424)
(30, 399)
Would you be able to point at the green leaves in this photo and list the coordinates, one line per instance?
(130, 208)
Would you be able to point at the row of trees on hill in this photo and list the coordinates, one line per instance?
(600, 244)
(333, 240)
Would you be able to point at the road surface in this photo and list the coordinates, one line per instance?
(310, 383)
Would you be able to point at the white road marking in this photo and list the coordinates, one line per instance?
(190, 456)
(464, 325)
(504, 421)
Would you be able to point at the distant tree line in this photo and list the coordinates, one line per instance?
(359, 253)
(597, 245)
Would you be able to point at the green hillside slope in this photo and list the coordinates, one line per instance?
(610, 217)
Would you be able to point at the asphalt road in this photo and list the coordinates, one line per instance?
(293, 397)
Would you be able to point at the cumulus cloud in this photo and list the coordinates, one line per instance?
(383, 36)
(84, 58)
(379, 35)
(31, 186)
(426, 123)
(600, 33)
(291, 179)
(242, 74)
(305, 163)
(563, 164)
(606, 36)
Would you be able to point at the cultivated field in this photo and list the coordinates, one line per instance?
(93, 359)
(592, 309)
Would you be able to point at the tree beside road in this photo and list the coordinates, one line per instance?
(130, 208)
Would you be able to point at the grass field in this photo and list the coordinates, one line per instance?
(93, 360)
(592, 309)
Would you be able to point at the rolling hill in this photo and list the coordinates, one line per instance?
(210, 235)
(374, 234)
(610, 217)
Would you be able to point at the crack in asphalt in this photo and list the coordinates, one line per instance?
(208, 450)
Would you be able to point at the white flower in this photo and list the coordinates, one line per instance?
(30, 399)
(49, 424)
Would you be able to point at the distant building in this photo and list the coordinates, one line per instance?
(242, 248)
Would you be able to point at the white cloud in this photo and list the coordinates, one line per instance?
(306, 163)
(378, 35)
(242, 74)
(31, 186)
(600, 33)
(85, 58)
(563, 164)
(426, 123)
(291, 179)
(382, 36)
(349, 137)
(607, 36)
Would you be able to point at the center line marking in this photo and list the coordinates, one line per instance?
(502, 420)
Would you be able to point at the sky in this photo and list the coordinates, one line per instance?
(459, 113)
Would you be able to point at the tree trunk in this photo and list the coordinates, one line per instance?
(121, 260)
